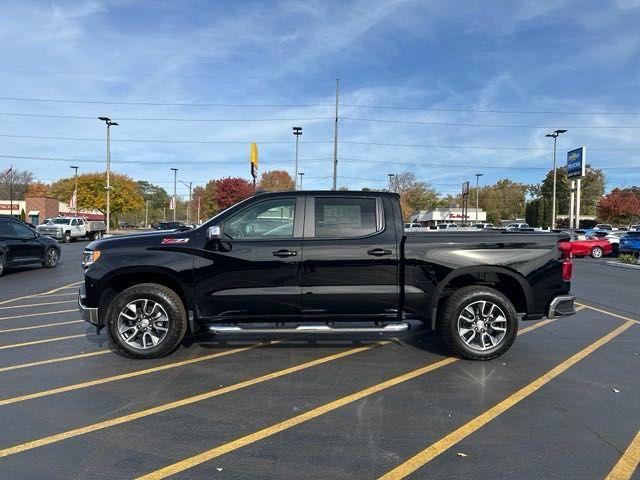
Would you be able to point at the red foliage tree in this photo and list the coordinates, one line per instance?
(231, 190)
(621, 206)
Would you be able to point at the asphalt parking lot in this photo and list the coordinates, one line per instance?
(562, 403)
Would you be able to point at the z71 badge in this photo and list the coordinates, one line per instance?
(173, 241)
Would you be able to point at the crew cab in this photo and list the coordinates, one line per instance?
(72, 228)
(22, 245)
(322, 262)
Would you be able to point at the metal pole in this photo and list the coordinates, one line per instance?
(335, 140)
(175, 199)
(108, 178)
(11, 190)
(478, 175)
(198, 210)
(297, 131)
(571, 205)
(76, 189)
(300, 174)
(391, 175)
(578, 194)
(146, 214)
(553, 201)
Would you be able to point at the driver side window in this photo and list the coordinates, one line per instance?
(22, 231)
(265, 220)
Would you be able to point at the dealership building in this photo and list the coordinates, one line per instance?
(36, 209)
(430, 218)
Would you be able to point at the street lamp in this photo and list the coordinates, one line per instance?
(189, 186)
(300, 174)
(110, 123)
(478, 175)
(555, 136)
(297, 131)
(175, 200)
(391, 175)
(75, 188)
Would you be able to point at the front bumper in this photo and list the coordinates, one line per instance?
(561, 306)
(88, 314)
(57, 234)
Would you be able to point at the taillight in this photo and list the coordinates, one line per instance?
(565, 247)
(567, 269)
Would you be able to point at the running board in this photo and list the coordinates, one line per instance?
(389, 328)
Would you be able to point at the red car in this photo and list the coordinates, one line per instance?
(582, 245)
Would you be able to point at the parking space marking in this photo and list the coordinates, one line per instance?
(38, 314)
(33, 327)
(309, 415)
(54, 290)
(37, 304)
(37, 342)
(442, 445)
(123, 376)
(183, 402)
(626, 466)
(54, 360)
(607, 312)
(72, 294)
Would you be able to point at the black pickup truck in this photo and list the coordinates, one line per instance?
(322, 262)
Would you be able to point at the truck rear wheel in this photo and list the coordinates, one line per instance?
(478, 323)
(146, 321)
(67, 237)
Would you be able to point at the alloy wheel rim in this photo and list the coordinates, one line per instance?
(143, 324)
(53, 257)
(482, 325)
(597, 252)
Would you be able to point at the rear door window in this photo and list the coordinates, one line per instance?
(344, 217)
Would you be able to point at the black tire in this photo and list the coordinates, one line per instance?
(457, 302)
(3, 265)
(51, 258)
(597, 252)
(172, 304)
(67, 237)
(614, 249)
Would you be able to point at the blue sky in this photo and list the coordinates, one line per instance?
(458, 59)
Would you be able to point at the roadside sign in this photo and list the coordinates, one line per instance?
(465, 189)
(576, 163)
(254, 160)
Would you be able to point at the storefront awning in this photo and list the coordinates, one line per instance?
(33, 213)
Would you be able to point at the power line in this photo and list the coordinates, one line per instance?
(313, 105)
(487, 125)
(154, 119)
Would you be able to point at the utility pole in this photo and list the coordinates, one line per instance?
(478, 175)
(300, 174)
(11, 190)
(175, 200)
(188, 185)
(110, 123)
(391, 175)
(555, 136)
(146, 214)
(297, 131)
(198, 210)
(75, 191)
(335, 140)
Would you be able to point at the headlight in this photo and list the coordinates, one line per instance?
(90, 256)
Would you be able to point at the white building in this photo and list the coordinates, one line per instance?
(429, 218)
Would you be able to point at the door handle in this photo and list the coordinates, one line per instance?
(285, 253)
(379, 252)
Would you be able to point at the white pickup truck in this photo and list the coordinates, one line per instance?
(72, 228)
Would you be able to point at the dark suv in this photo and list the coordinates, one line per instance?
(21, 245)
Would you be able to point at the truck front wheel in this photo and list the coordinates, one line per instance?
(478, 323)
(146, 321)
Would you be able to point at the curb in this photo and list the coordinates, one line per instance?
(624, 265)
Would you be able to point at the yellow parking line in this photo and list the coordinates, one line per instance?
(442, 445)
(40, 326)
(53, 360)
(181, 403)
(55, 290)
(38, 314)
(607, 312)
(37, 304)
(626, 466)
(304, 417)
(123, 376)
(37, 342)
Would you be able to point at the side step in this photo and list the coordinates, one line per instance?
(389, 328)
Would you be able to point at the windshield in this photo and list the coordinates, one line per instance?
(60, 221)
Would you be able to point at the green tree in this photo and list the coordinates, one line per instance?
(593, 185)
(502, 201)
(414, 195)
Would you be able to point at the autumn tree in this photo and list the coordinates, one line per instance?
(503, 200)
(414, 195)
(20, 180)
(621, 206)
(38, 189)
(277, 181)
(230, 190)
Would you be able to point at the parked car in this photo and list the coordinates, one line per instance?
(604, 226)
(339, 263)
(630, 243)
(517, 226)
(411, 226)
(482, 226)
(634, 228)
(582, 245)
(72, 228)
(614, 239)
(446, 226)
(21, 245)
(171, 226)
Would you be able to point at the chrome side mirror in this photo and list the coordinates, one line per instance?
(213, 232)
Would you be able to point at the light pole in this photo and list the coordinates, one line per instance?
(297, 131)
(555, 136)
(188, 185)
(478, 175)
(75, 191)
(300, 174)
(391, 175)
(110, 123)
(146, 214)
(175, 200)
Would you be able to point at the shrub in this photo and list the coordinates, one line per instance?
(627, 258)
